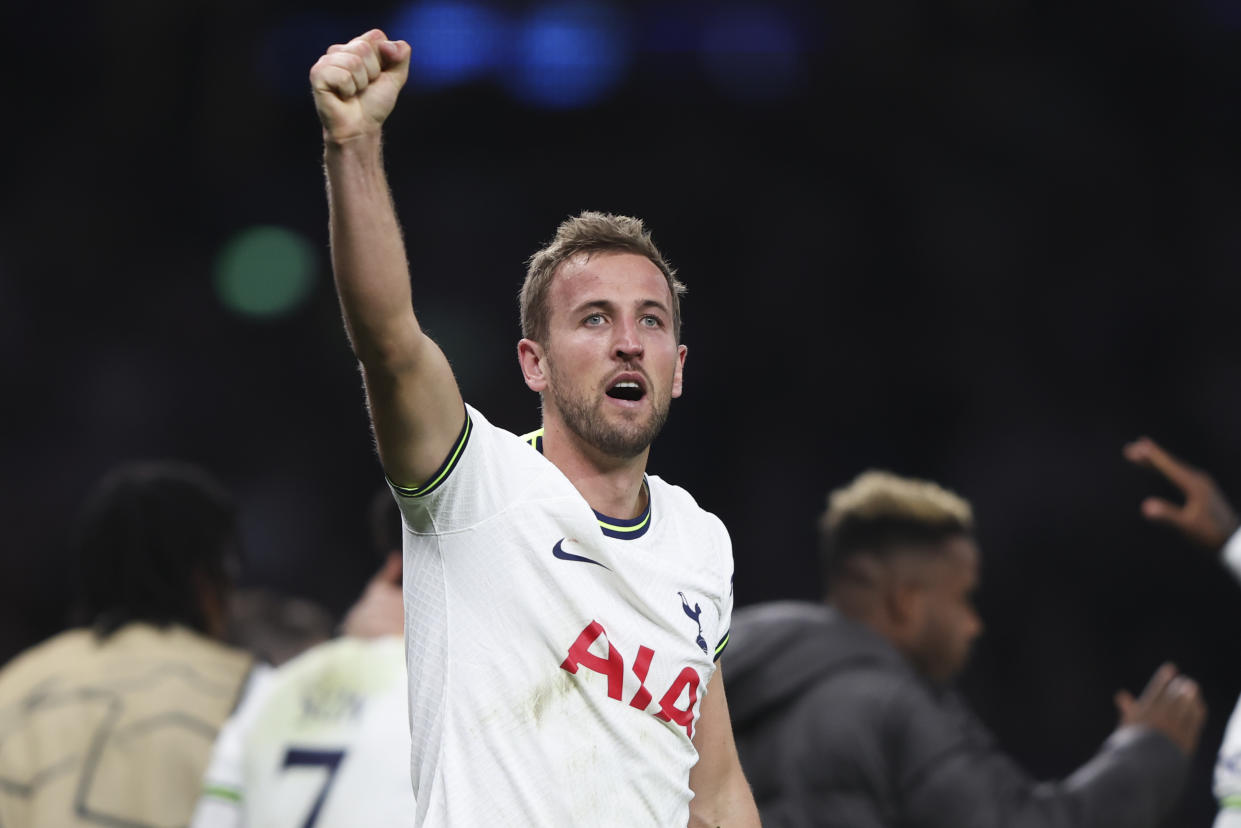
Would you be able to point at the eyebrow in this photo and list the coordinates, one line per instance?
(608, 304)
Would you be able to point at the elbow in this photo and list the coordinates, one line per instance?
(386, 353)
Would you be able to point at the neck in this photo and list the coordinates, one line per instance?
(611, 485)
(862, 605)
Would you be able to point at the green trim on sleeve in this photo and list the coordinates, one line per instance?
(442, 473)
(222, 792)
(719, 648)
(1230, 803)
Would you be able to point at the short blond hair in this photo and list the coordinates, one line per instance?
(880, 510)
(589, 232)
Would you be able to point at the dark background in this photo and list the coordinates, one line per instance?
(985, 242)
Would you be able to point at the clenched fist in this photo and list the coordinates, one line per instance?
(355, 85)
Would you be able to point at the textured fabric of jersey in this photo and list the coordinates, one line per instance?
(114, 731)
(836, 730)
(1228, 762)
(1228, 774)
(323, 740)
(557, 659)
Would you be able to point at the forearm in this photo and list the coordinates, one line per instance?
(368, 254)
(722, 796)
(1135, 780)
(1126, 785)
(731, 807)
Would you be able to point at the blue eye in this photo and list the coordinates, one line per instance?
(652, 321)
(594, 319)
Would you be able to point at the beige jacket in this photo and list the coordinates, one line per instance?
(113, 731)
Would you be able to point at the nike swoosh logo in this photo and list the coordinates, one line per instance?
(558, 551)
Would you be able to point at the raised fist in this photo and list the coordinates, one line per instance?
(355, 85)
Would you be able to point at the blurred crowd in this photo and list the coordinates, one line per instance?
(177, 698)
(999, 239)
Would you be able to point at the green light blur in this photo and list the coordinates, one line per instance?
(265, 272)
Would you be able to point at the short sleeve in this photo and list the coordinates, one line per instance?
(1232, 555)
(726, 594)
(1228, 767)
(223, 793)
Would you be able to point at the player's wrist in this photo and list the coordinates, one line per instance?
(360, 143)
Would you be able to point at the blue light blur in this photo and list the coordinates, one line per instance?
(452, 42)
(569, 55)
(752, 53)
(1224, 13)
(288, 50)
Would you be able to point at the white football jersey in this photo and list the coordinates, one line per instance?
(1228, 774)
(557, 657)
(321, 741)
(1228, 763)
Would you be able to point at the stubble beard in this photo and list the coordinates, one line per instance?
(586, 420)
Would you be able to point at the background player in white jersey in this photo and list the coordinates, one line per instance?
(563, 609)
(323, 741)
(1208, 519)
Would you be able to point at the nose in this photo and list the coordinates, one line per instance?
(628, 343)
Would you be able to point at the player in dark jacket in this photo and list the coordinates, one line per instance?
(842, 713)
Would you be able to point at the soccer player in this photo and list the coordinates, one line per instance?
(564, 610)
(1208, 519)
(845, 717)
(112, 723)
(323, 740)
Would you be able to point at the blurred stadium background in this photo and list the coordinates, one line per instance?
(981, 242)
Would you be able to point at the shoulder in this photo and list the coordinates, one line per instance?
(680, 505)
(63, 648)
(347, 662)
(479, 428)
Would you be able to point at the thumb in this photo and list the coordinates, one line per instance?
(1124, 703)
(394, 52)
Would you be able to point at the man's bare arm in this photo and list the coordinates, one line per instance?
(722, 797)
(415, 404)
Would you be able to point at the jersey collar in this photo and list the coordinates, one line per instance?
(624, 529)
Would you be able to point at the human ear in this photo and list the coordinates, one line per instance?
(905, 602)
(530, 356)
(678, 374)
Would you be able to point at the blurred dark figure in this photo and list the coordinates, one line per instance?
(843, 715)
(1208, 519)
(112, 723)
(340, 706)
(274, 625)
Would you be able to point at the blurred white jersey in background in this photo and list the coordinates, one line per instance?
(320, 742)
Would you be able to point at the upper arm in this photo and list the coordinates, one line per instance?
(415, 405)
(416, 410)
(722, 796)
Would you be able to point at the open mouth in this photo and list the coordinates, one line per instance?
(626, 390)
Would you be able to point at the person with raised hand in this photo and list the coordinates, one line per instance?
(1209, 520)
(565, 610)
(844, 711)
